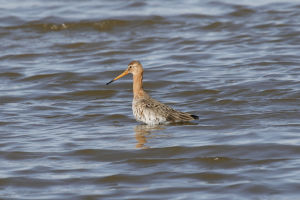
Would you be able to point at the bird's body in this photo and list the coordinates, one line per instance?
(151, 111)
(146, 109)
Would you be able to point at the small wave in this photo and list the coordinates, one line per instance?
(105, 25)
(242, 11)
(199, 92)
(20, 155)
(92, 93)
(77, 95)
(26, 56)
(40, 77)
(46, 26)
(10, 99)
(204, 154)
(10, 75)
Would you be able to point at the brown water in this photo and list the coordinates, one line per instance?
(64, 134)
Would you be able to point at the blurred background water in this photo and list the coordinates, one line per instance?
(64, 134)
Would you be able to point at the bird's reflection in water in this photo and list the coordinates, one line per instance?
(143, 133)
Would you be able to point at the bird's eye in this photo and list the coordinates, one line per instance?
(130, 67)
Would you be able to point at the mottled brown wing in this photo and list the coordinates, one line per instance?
(158, 108)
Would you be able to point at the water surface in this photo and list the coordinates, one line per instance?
(64, 134)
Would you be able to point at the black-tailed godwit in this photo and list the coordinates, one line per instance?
(148, 110)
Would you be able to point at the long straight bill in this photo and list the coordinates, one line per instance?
(120, 76)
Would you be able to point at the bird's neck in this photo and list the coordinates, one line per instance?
(138, 90)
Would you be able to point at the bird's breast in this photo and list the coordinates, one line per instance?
(145, 114)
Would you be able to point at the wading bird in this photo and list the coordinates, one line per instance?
(148, 110)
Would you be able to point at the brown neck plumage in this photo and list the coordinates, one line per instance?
(138, 85)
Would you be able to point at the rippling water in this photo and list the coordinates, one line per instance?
(64, 134)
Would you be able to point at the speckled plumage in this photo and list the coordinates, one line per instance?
(148, 110)
(151, 111)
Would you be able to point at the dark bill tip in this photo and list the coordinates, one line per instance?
(110, 82)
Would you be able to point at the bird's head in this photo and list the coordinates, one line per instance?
(134, 68)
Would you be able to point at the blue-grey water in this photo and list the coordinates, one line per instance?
(64, 134)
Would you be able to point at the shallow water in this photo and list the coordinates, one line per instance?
(66, 135)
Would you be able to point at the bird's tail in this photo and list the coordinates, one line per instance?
(195, 116)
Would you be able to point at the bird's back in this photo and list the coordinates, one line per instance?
(151, 111)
